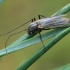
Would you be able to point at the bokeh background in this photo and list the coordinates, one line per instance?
(15, 12)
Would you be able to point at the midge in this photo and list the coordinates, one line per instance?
(45, 23)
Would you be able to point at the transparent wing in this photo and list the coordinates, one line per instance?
(54, 22)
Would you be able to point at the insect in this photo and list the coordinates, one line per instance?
(48, 23)
(45, 23)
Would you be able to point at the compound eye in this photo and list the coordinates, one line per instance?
(30, 33)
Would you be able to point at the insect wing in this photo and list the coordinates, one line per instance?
(60, 22)
(54, 22)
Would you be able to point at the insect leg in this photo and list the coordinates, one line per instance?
(42, 42)
(10, 36)
(34, 19)
(39, 16)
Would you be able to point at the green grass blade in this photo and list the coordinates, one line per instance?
(29, 42)
(40, 52)
(66, 67)
(1, 1)
(64, 10)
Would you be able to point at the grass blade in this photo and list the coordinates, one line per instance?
(31, 41)
(40, 52)
(66, 67)
(1, 1)
(64, 10)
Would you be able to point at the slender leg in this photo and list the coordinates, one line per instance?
(39, 16)
(34, 19)
(42, 42)
(11, 36)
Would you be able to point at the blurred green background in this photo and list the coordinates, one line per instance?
(15, 12)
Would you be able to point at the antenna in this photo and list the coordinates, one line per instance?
(16, 28)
